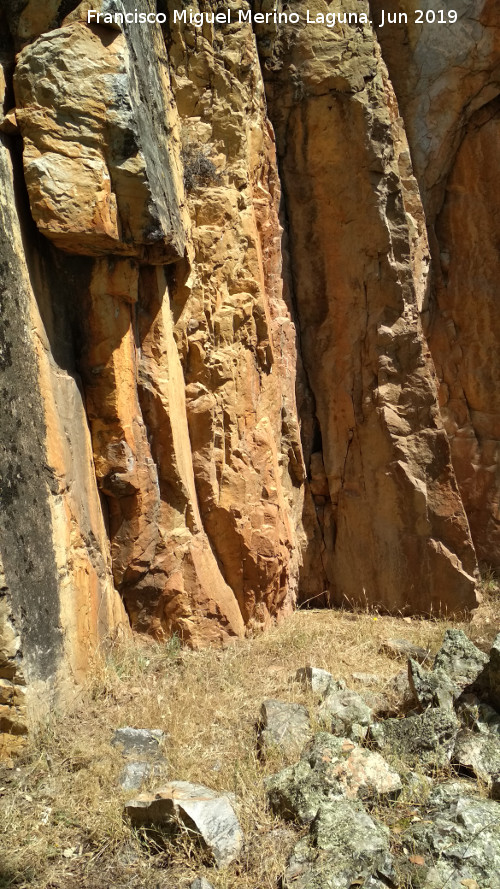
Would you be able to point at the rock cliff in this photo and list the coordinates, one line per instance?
(247, 322)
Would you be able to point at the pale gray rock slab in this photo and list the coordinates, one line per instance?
(283, 725)
(203, 810)
(330, 768)
(316, 680)
(345, 845)
(346, 714)
(134, 775)
(478, 753)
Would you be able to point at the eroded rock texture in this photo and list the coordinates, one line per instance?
(360, 283)
(448, 82)
(233, 259)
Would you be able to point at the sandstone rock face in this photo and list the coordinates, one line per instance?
(247, 324)
(57, 601)
(448, 90)
(234, 328)
(360, 282)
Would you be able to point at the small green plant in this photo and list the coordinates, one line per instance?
(199, 168)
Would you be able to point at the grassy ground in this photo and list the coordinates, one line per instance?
(61, 819)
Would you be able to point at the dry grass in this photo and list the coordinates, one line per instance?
(61, 812)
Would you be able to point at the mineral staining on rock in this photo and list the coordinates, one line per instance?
(217, 310)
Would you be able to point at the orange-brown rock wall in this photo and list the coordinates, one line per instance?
(448, 91)
(248, 335)
(234, 328)
(383, 482)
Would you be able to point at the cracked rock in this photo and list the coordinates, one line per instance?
(425, 740)
(345, 846)
(330, 768)
(285, 726)
(346, 714)
(208, 813)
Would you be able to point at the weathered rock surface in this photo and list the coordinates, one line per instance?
(431, 689)
(488, 681)
(404, 649)
(230, 378)
(358, 305)
(318, 681)
(142, 751)
(479, 754)
(460, 659)
(208, 813)
(459, 845)
(283, 726)
(134, 741)
(330, 768)
(447, 91)
(426, 739)
(345, 845)
(346, 713)
(234, 326)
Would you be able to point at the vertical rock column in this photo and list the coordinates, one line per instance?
(447, 79)
(393, 522)
(234, 328)
(103, 181)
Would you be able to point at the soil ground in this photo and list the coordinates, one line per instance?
(61, 823)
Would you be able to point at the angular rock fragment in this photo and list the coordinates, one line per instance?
(431, 688)
(494, 674)
(346, 714)
(424, 740)
(134, 775)
(404, 649)
(366, 678)
(460, 846)
(459, 658)
(318, 681)
(479, 754)
(330, 768)
(283, 725)
(478, 716)
(142, 750)
(487, 684)
(208, 813)
(345, 846)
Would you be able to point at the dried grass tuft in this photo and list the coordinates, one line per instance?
(61, 819)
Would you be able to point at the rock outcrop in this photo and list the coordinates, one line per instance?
(247, 322)
(448, 89)
(360, 283)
